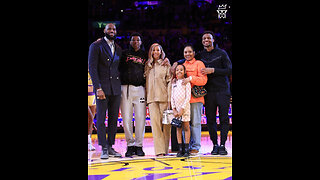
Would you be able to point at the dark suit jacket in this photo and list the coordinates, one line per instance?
(103, 67)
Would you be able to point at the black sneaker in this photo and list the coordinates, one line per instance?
(139, 151)
(130, 150)
(215, 150)
(113, 153)
(222, 150)
(134, 150)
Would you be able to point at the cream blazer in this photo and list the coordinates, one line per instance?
(158, 82)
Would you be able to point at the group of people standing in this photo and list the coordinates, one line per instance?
(133, 79)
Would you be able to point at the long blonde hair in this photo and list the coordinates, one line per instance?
(150, 58)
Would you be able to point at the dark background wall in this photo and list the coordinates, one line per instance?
(172, 23)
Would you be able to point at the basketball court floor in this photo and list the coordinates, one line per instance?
(149, 167)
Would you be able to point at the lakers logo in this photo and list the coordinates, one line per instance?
(209, 167)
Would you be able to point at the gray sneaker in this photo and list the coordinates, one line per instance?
(104, 154)
(113, 153)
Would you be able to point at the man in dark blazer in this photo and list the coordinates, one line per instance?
(104, 56)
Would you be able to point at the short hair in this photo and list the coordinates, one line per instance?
(209, 32)
(136, 34)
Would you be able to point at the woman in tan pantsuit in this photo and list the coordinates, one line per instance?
(158, 90)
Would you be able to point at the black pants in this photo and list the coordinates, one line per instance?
(212, 101)
(111, 103)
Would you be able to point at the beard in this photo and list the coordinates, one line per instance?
(111, 38)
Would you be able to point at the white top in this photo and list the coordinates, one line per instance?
(111, 45)
(180, 98)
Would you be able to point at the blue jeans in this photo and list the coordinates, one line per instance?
(195, 126)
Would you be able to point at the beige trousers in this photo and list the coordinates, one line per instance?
(133, 98)
(160, 132)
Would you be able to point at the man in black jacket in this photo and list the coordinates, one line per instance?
(218, 69)
(104, 56)
(133, 82)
